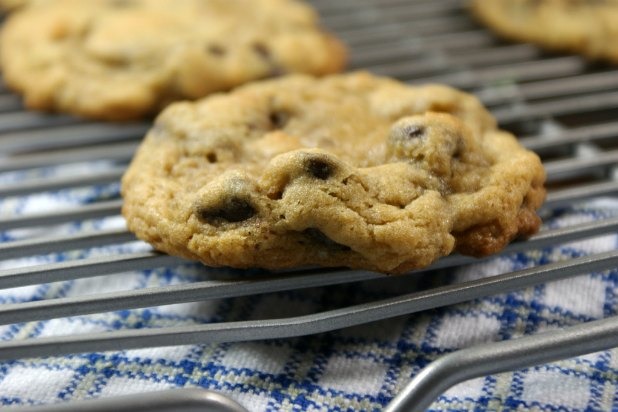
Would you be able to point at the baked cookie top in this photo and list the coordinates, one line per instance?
(589, 27)
(124, 59)
(349, 170)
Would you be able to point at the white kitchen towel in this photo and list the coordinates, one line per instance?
(354, 369)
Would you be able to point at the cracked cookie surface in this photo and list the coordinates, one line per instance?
(349, 170)
(589, 27)
(125, 59)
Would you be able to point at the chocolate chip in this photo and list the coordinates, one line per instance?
(275, 195)
(316, 236)
(231, 210)
(319, 168)
(216, 50)
(262, 50)
(278, 119)
(275, 69)
(414, 131)
(459, 148)
(211, 157)
(122, 3)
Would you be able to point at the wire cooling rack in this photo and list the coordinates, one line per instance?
(563, 107)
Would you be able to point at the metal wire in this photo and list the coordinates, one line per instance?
(558, 104)
(279, 328)
(504, 356)
(180, 400)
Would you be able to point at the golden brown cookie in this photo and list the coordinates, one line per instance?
(589, 27)
(349, 170)
(124, 59)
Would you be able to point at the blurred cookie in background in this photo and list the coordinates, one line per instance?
(586, 27)
(126, 59)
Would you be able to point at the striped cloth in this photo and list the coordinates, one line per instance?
(354, 369)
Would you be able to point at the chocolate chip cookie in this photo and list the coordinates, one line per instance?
(589, 27)
(349, 170)
(125, 59)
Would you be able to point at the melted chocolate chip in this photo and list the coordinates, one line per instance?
(216, 50)
(319, 168)
(231, 210)
(275, 69)
(459, 148)
(414, 131)
(316, 236)
(211, 157)
(262, 50)
(278, 119)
